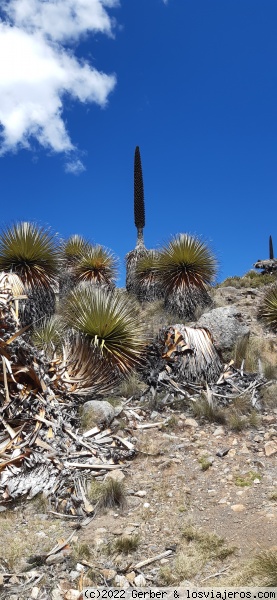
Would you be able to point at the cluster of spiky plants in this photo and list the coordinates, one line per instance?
(268, 308)
(86, 262)
(110, 321)
(31, 252)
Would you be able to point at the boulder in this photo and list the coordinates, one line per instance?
(97, 412)
(226, 326)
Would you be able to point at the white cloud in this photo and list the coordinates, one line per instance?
(37, 70)
(75, 167)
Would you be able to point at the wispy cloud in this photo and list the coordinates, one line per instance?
(38, 69)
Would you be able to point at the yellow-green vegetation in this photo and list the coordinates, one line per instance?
(81, 551)
(268, 308)
(208, 410)
(252, 279)
(19, 547)
(258, 354)
(237, 422)
(124, 544)
(112, 494)
(108, 320)
(108, 494)
(31, 252)
(261, 571)
(246, 479)
(95, 264)
(131, 385)
(199, 548)
(205, 462)
(266, 567)
(48, 335)
(186, 266)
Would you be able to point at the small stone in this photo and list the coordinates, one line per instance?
(54, 559)
(238, 507)
(191, 422)
(270, 448)
(140, 493)
(56, 594)
(74, 575)
(223, 452)
(2, 508)
(131, 576)
(121, 582)
(219, 431)
(232, 452)
(146, 505)
(108, 574)
(72, 595)
(140, 580)
(244, 449)
(257, 481)
(35, 593)
(116, 475)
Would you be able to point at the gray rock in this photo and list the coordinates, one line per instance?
(97, 412)
(226, 326)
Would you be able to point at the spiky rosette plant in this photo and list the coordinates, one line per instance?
(30, 251)
(70, 251)
(87, 371)
(96, 265)
(110, 321)
(146, 272)
(72, 248)
(48, 335)
(268, 309)
(186, 266)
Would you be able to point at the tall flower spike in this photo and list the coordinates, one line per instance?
(139, 210)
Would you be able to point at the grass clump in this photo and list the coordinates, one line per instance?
(210, 412)
(246, 479)
(257, 354)
(252, 279)
(112, 494)
(81, 551)
(265, 565)
(205, 463)
(236, 421)
(124, 544)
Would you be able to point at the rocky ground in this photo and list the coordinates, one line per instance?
(200, 501)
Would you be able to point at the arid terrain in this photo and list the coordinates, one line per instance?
(199, 498)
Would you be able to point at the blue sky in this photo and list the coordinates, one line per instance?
(193, 83)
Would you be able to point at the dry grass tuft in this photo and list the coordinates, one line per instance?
(112, 494)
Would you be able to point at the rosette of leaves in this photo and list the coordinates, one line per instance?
(48, 335)
(97, 265)
(110, 321)
(268, 308)
(31, 252)
(186, 267)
